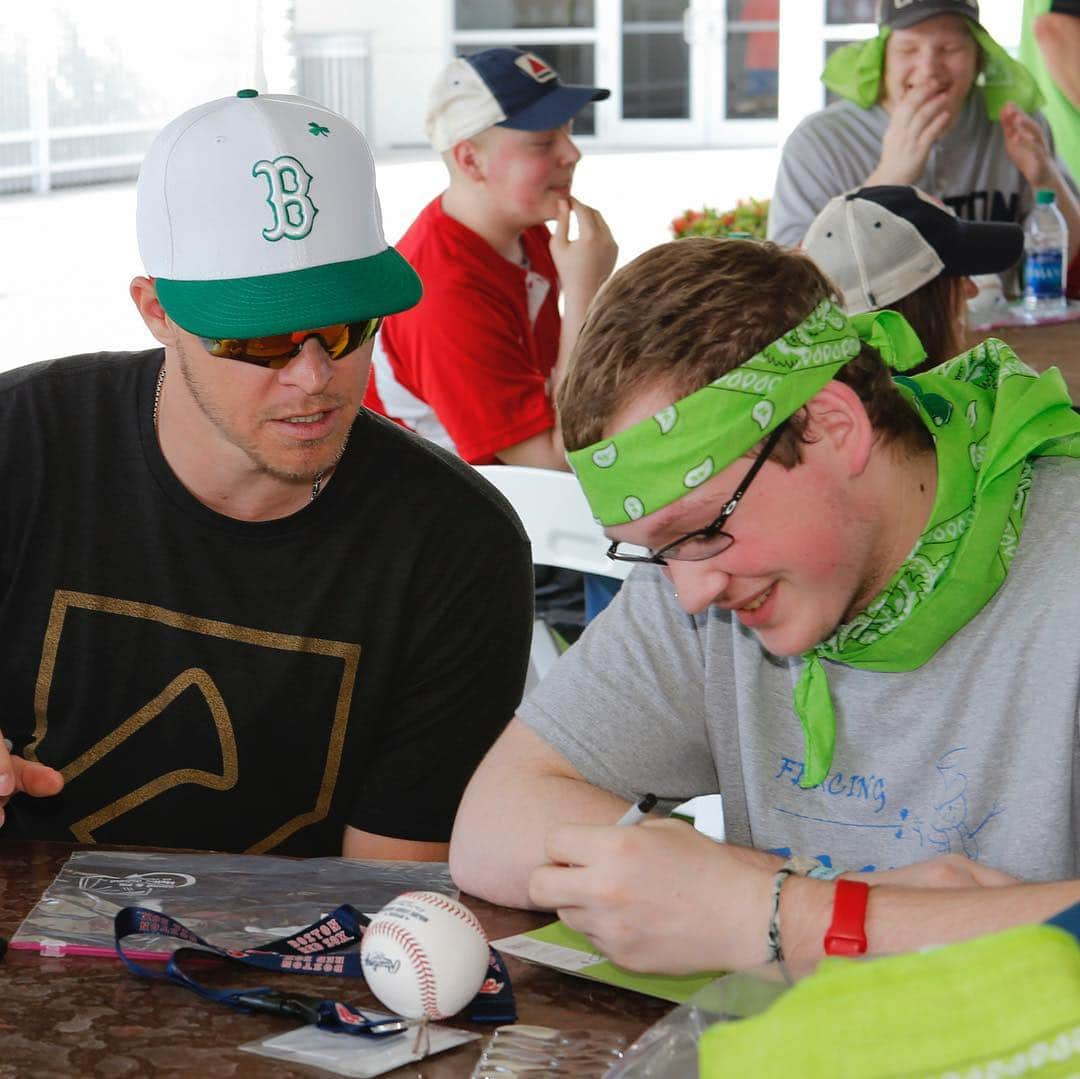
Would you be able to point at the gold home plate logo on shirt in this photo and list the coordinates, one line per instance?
(115, 734)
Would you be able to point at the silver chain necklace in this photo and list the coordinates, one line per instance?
(316, 483)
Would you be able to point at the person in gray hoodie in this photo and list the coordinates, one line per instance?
(932, 101)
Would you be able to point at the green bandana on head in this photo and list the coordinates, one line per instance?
(989, 415)
(855, 71)
(655, 462)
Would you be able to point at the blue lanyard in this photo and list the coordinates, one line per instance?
(316, 949)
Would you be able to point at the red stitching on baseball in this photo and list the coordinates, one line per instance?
(458, 910)
(421, 967)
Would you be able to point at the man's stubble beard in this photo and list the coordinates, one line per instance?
(219, 419)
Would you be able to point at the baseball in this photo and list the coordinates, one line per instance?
(424, 954)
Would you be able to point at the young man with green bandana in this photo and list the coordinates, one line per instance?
(857, 617)
(932, 101)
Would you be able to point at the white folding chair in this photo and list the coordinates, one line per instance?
(562, 531)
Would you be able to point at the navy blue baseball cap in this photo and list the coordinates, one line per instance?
(501, 87)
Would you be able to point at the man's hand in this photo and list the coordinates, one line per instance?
(919, 119)
(1027, 147)
(26, 777)
(662, 898)
(659, 896)
(583, 264)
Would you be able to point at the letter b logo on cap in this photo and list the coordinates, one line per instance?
(294, 212)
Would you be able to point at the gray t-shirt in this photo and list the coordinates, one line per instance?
(836, 149)
(974, 753)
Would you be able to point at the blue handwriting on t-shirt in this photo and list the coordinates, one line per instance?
(946, 825)
(869, 788)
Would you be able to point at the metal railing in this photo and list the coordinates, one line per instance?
(66, 117)
(81, 98)
(55, 157)
(38, 153)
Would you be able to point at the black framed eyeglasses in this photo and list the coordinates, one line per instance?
(712, 539)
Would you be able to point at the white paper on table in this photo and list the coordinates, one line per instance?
(545, 953)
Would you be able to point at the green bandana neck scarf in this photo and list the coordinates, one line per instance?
(989, 415)
(854, 72)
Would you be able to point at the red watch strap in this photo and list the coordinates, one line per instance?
(847, 934)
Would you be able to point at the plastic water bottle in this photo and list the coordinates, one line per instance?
(1045, 244)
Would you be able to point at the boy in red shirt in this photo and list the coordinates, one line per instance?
(475, 366)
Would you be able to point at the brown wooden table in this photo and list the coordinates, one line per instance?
(82, 1016)
(1051, 345)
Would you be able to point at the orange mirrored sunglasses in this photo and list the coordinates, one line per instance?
(277, 349)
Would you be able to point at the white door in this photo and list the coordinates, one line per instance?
(689, 72)
(681, 72)
(646, 59)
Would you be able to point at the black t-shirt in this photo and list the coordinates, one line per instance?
(213, 683)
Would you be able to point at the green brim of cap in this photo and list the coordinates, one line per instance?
(301, 299)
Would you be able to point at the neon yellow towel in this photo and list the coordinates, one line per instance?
(1001, 1005)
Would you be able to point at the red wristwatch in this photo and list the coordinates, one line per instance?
(847, 934)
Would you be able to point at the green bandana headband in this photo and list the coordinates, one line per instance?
(854, 72)
(657, 461)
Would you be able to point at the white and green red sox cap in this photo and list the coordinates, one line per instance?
(258, 214)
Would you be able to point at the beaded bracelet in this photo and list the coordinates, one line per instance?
(776, 952)
(825, 872)
(798, 866)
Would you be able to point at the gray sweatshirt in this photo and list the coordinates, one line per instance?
(836, 149)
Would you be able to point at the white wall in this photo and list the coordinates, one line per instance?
(409, 42)
(1003, 20)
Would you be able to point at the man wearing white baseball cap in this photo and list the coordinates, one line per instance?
(231, 598)
(933, 101)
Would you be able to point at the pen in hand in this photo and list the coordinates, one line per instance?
(637, 812)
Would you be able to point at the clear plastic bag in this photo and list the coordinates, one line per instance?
(535, 1051)
(233, 900)
(668, 1049)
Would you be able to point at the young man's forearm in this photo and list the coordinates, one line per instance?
(495, 848)
(902, 919)
(506, 813)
